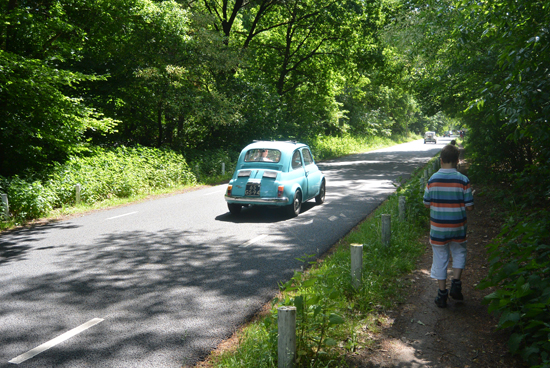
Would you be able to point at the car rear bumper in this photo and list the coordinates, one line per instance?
(257, 200)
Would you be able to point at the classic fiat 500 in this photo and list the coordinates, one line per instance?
(275, 174)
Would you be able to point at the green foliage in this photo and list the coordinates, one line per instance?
(119, 173)
(327, 147)
(27, 200)
(318, 304)
(520, 270)
(208, 164)
(122, 172)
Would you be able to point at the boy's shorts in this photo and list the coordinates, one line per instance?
(441, 255)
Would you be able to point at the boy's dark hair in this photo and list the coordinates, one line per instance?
(449, 154)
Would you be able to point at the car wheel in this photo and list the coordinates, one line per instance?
(320, 198)
(294, 208)
(235, 209)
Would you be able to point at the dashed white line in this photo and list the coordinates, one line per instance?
(254, 240)
(333, 218)
(126, 214)
(67, 335)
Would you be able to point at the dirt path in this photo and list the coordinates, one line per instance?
(419, 334)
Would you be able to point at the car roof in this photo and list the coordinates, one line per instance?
(283, 146)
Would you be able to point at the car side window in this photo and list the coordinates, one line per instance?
(308, 159)
(296, 160)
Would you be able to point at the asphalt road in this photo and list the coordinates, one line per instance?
(161, 283)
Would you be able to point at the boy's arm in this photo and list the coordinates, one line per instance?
(427, 206)
(470, 208)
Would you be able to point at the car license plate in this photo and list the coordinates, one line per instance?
(252, 189)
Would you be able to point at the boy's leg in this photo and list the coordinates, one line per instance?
(440, 262)
(459, 253)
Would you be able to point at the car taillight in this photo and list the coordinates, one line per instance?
(280, 191)
(229, 189)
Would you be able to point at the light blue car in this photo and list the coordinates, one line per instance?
(275, 174)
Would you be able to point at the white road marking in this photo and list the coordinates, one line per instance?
(252, 241)
(333, 218)
(219, 191)
(126, 214)
(67, 335)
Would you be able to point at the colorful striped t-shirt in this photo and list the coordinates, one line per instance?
(448, 193)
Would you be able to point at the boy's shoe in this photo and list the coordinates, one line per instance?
(456, 290)
(441, 299)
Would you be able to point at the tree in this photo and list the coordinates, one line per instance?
(43, 117)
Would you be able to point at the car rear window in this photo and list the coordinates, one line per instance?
(262, 155)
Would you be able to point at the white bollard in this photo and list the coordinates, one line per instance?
(426, 175)
(386, 229)
(77, 193)
(6, 206)
(402, 208)
(286, 348)
(223, 168)
(356, 265)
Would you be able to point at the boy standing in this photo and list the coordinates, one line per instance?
(448, 196)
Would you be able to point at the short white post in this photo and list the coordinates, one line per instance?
(426, 174)
(286, 347)
(356, 265)
(6, 206)
(223, 168)
(402, 208)
(77, 193)
(386, 229)
(422, 185)
(197, 171)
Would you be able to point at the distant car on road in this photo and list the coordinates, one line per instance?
(430, 137)
(273, 173)
(447, 134)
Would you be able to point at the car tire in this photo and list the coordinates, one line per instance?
(294, 208)
(234, 208)
(320, 198)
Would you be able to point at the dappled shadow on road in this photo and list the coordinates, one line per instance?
(11, 248)
(128, 277)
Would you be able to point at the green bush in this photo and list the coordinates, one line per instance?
(107, 173)
(27, 200)
(520, 270)
(118, 173)
(209, 163)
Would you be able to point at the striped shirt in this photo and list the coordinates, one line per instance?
(448, 193)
